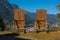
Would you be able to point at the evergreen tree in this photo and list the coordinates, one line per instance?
(2, 26)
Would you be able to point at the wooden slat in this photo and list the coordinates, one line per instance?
(41, 15)
(21, 24)
(41, 25)
(58, 15)
(18, 14)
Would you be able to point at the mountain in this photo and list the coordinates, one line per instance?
(6, 13)
(6, 10)
(31, 17)
(51, 18)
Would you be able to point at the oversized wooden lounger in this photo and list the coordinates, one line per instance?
(19, 19)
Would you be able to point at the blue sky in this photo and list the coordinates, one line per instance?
(33, 5)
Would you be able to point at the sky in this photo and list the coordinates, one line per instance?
(33, 5)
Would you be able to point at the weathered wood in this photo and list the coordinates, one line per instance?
(19, 14)
(58, 17)
(41, 15)
(19, 19)
(40, 22)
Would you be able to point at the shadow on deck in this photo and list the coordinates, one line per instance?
(11, 36)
